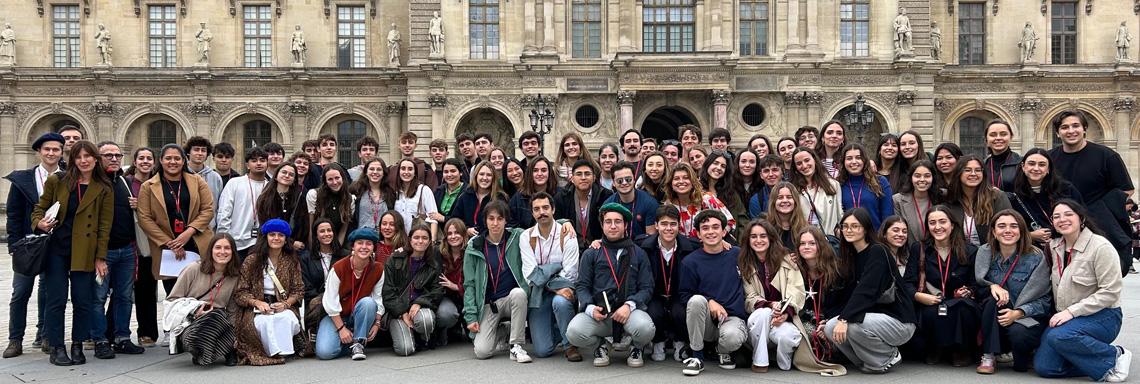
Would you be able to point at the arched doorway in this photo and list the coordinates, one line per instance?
(490, 121)
(1093, 132)
(972, 132)
(662, 123)
(870, 136)
(249, 130)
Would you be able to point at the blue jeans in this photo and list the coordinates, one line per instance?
(1080, 347)
(548, 323)
(22, 287)
(120, 285)
(58, 277)
(360, 322)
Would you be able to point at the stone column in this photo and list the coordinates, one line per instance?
(394, 110)
(701, 22)
(625, 101)
(1123, 107)
(812, 100)
(8, 140)
(794, 26)
(905, 101)
(720, 99)
(529, 27)
(201, 108)
(812, 20)
(104, 123)
(299, 120)
(1028, 107)
(793, 112)
(548, 27)
(438, 103)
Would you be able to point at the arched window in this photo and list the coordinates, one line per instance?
(347, 133)
(972, 136)
(161, 132)
(257, 133)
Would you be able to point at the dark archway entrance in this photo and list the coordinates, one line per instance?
(662, 123)
(491, 121)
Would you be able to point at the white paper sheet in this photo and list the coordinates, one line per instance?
(172, 267)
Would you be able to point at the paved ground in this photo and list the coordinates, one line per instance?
(455, 364)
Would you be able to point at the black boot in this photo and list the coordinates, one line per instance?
(58, 356)
(77, 357)
(231, 359)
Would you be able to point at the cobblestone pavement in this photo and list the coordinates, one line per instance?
(456, 364)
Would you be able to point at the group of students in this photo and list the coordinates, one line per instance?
(803, 246)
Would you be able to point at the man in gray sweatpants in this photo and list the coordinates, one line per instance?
(614, 284)
(714, 293)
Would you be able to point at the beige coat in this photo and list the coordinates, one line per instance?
(1092, 280)
(155, 222)
(791, 284)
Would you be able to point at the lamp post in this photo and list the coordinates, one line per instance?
(542, 118)
(860, 118)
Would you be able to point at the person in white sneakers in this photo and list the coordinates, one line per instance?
(353, 300)
(712, 288)
(237, 213)
(494, 289)
(614, 284)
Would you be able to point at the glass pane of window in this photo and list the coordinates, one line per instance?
(160, 133)
(347, 133)
(971, 136)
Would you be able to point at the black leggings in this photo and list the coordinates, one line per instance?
(146, 307)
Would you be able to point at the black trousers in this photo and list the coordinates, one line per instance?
(669, 318)
(958, 329)
(1016, 338)
(146, 307)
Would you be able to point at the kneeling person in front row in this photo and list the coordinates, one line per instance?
(352, 300)
(412, 292)
(614, 284)
(712, 287)
(494, 289)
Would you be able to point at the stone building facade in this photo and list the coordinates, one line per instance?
(752, 66)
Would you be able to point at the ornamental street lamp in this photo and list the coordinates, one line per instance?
(860, 117)
(542, 119)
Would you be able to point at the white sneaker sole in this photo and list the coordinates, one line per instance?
(691, 372)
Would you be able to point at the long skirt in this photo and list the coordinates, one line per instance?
(277, 331)
(210, 337)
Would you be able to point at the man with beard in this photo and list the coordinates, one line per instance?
(630, 141)
(550, 264)
(237, 207)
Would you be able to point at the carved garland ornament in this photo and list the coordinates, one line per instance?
(1027, 105)
(102, 108)
(813, 98)
(905, 98)
(298, 107)
(8, 108)
(1124, 104)
(793, 98)
(437, 100)
(626, 97)
(201, 107)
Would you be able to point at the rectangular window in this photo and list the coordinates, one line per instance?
(1064, 32)
(351, 50)
(667, 26)
(484, 24)
(854, 28)
(162, 31)
(972, 33)
(65, 35)
(587, 25)
(753, 27)
(257, 27)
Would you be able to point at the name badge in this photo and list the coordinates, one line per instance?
(942, 310)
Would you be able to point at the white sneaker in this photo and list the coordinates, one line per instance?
(658, 351)
(164, 341)
(693, 367)
(634, 360)
(1005, 358)
(679, 354)
(1123, 363)
(602, 356)
(357, 352)
(519, 354)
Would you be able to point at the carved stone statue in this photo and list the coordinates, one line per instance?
(902, 32)
(935, 41)
(103, 44)
(394, 47)
(1123, 41)
(8, 46)
(1028, 43)
(297, 45)
(203, 37)
(435, 33)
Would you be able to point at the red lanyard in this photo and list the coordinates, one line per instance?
(79, 191)
(495, 274)
(817, 301)
(1068, 259)
(1010, 271)
(945, 273)
(856, 201)
(584, 215)
(993, 175)
(668, 277)
(919, 213)
(613, 272)
(475, 217)
(375, 207)
(217, 288)
(176, 193)
(632, 209)
(970, 226)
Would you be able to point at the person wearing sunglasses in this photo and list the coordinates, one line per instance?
(642, 205)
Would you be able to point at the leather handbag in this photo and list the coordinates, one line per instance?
(28, 254)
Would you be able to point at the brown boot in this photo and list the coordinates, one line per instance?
(15, 348)
(759, 369)
(572, 354)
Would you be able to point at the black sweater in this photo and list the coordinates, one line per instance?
(564, 209)
(872, 275)
(653, 251)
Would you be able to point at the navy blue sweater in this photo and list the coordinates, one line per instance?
(716, 277)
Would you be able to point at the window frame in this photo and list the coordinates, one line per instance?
(853, 51)
(581, 48)
(262, 52)
(756, 47)
(256, 124)
(969, 141)
(669, 35)
(963, 56)
(166, 44)
(1061, 37)
(359, 55)
(71, 38)
(491, 47)
(161, 124)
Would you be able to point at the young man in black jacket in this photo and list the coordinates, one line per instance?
(614, 284)
(666, 252)
(580, 201)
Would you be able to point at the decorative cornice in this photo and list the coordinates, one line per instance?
(626, 97)
(437, 100)
(201, 107)
(904, 98)
(720, 97)
(1124, 104)
(7, 108)
(102, 108)
(1028, 105)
